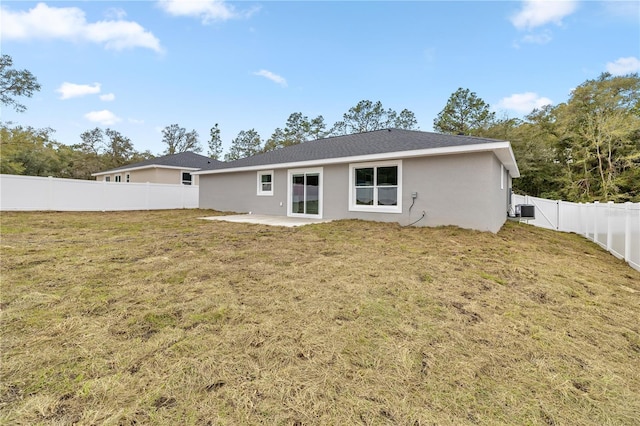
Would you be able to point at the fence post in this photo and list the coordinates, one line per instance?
(148, 189)
(583, 226)
(104, 195)
(585, 208)
(595, 220)
(49, 192)
(558, 203)
(627, 231)
(609, 220)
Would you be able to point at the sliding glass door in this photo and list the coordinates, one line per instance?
(305, 196)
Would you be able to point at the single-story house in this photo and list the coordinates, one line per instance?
(410, 177)
(172, 169)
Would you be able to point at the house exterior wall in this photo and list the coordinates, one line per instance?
(237, 192)
(464, 190)
(152, 175)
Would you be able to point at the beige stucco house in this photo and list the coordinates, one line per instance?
(169, 169)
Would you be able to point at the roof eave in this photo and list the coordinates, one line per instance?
(150, 166)
(508, 159)
(501, 149)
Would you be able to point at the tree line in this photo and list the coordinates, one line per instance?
(35, 152)
(366, 116)
(584, 149)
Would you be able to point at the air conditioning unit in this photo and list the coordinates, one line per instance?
(526, 211)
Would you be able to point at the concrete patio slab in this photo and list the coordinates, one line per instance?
(261, 219)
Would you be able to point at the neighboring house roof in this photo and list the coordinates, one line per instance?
(183, 160)
(369, 146)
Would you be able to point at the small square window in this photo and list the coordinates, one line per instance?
(265, 182)
(186, 178)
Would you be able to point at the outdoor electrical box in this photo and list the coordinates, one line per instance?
(414, 195)
(526, 211)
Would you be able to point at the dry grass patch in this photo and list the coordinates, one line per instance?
(162, 318)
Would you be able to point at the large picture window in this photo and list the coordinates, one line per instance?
(376, 187)
(265, 182)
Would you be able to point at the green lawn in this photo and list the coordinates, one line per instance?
(162, 318)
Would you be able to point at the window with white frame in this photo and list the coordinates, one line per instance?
(107, 178)
(186, 178)
(127, 177)
(118, 178)
(376, 187)
(265, 182)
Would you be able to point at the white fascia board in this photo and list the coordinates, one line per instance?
(507, 158)
(149, 166)
(502, 150)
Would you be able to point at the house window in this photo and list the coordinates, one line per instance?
(376, 187)
(107, 178)
(186, 178)
(118, 178)
(127, 177)
(265, 182)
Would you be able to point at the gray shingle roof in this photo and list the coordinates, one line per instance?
(187, 160)
(368, 143)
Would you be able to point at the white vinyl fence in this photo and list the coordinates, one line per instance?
(29, 193)
(615, 227)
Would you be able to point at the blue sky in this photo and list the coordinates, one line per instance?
(139, 66)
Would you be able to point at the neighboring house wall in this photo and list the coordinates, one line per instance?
(464, 190)
(153, 175)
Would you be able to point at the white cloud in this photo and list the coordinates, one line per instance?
(624, 66)
(71, 90)
(622, 9)
(115, 13)
(206, 10)
(536, 13)
(120, 35)
(273, 77)
(135, 121)
(539, 38)
(104, 117)
(524, 103)
(107, 97)
(69, 23)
